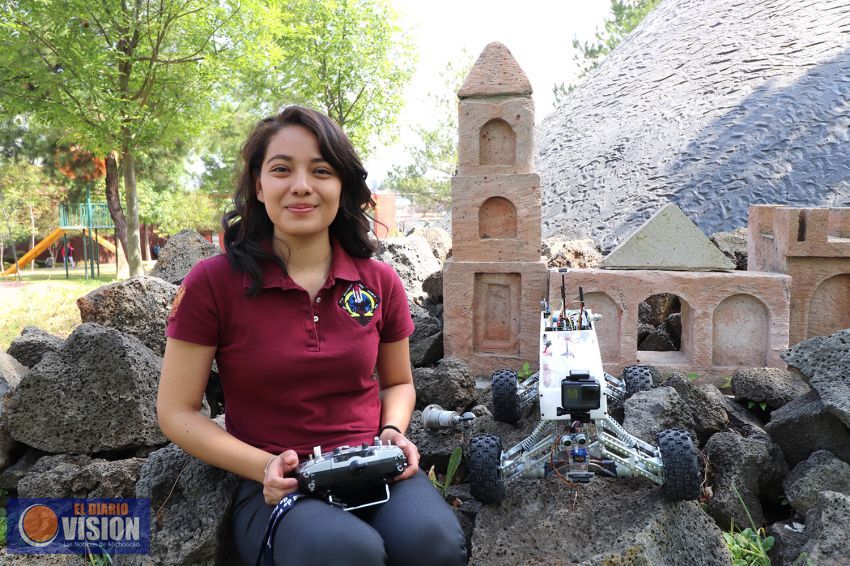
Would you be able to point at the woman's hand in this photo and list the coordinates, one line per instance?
(409, 449)
(275, 485)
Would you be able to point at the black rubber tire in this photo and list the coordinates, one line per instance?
(637, 378)
(682, 476)
(485, 478)
(505, 391)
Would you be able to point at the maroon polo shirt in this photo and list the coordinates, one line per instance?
(295, 373)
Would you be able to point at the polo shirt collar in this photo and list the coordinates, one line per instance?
(342, 267)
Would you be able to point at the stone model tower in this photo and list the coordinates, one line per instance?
(492, 283)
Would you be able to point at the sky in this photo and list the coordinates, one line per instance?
(539, 33)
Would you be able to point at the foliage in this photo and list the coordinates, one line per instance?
(218, 147)
(176, 210)
(451, 469)
(426, 178)
(98, 557)
(693, 376)
(750, 546)
(762, 405)
(27, 195)
(627, 14)
(114, 72)
(524, 372)
(117, 75)
(347, 58)
(74, 162)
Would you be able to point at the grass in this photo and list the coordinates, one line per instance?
(44, 298)
(750, 546)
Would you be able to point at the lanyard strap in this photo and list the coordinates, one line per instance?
(266, 557)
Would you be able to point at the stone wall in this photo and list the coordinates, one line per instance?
(812, 245)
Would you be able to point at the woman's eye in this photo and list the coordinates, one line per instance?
(323, 171)
(279, 169)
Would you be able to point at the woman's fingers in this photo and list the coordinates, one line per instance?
(283, 464)
(411, 453)
(276, 485)
(275, 489)
(290, 460)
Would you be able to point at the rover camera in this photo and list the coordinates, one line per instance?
(579, 393)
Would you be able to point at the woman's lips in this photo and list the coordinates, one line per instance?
(301, 209)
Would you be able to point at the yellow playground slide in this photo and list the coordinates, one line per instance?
(44, 244)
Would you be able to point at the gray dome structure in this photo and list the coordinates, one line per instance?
(712, 106)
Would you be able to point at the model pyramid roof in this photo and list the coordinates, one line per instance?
(668, 241)
(495, 73)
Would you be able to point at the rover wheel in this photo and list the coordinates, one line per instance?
(505, 390)
(485, 478)
(637, 378)
(681, 466)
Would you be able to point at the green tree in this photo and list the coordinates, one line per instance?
(625, 16)
(426, 178)
(177, 209)
(120, 75)
(347, 58)
(28, 200)
(218, 147)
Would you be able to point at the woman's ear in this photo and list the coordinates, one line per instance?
(259, 190)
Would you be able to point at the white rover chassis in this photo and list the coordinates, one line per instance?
(581, 439)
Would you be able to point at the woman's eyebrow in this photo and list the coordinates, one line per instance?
(288, 158)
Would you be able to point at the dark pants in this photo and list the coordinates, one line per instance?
(416, 526)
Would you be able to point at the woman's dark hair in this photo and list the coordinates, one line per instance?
(247, 226)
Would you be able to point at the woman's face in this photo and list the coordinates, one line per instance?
(299, 188)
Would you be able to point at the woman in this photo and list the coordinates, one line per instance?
(299, 319)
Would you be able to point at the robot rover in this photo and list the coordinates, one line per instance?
(575, 433)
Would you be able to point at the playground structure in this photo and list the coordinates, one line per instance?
(86, 217)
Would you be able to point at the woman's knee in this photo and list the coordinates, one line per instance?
(430, 542)
(329, 538)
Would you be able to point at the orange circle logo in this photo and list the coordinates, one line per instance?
(38, 525)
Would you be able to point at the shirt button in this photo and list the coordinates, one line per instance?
(315, 318)
(318, 299)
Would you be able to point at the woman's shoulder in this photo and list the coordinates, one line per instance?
(371, 267)
(216, 268)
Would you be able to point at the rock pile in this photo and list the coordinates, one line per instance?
(77, 419)
(660, 323)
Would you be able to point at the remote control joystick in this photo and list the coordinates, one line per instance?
(346, 469)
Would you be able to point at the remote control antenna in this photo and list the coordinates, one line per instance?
(581, 309)
(563, 293)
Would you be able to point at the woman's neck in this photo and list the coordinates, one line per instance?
(303, 254)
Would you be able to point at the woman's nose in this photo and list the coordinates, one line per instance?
(301, 184)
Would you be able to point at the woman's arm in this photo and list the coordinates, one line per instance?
(185, 371)
(398, 397)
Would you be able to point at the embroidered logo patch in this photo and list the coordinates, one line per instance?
(360, 303)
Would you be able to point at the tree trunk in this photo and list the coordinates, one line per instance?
(32, 238)
(146, 252)
(134, 255)
(14, 250)
(113, 199)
